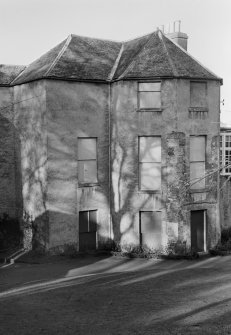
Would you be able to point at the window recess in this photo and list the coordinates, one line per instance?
(197, 162)
(150, 163)
(87, 160)
(149, 96)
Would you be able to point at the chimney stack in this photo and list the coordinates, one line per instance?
(177, 36)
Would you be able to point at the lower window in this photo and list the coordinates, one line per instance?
(150, 229)
(87, 230)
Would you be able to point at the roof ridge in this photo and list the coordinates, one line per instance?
(196, 60)
(160, 34)
(116, 64)
(59, 55)
(133, 59)
(97, 38)
(140, 36)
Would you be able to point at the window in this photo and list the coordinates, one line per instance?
(225, 153)
(87, 230)
(87, 160)
(197, 162)
(198, 94)
(150, 163)
(149, 95)
(150, 229)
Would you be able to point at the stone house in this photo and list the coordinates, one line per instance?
(105, 142)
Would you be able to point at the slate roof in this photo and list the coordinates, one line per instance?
(89, 59)
(8, 73)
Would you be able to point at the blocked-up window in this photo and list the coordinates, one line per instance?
(87, 160)
(197, 162)
(150, 229)
(149, 95)
(198, 94)
(150, 163)
(225, 153)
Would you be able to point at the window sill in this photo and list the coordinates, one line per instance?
(149, 191)
(149, 110)
(87, 184)
(202, 190)
(198, 109)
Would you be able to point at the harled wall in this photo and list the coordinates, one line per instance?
(175, 123)
(76, 110)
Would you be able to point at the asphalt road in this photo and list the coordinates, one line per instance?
(96, 295)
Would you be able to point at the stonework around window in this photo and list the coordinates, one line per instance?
(225, 153)
(150, 163)
(149, 96)
(197, 162)
(87, 160)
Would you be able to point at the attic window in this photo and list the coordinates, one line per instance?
(149, 95)
(198, 95)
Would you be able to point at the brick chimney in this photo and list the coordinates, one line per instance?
(177, 36)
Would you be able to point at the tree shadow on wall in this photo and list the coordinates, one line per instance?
(127, 198)
(10, 184)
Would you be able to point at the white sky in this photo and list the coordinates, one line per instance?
(29, 28)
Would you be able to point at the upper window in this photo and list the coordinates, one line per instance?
(150, 163)
(225, 153)
(87, 160)
(197, 162)
(149, 95)
(198, 94)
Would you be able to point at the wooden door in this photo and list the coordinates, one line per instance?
(198, 230)
(87, 230)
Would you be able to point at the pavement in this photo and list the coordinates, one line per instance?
(116, 295)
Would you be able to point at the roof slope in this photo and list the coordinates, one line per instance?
(8, 73)
(184, 63)
(39, 68)
(76, 58)
(83, 58)
(152, 61)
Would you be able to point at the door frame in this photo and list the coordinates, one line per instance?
(96, 233)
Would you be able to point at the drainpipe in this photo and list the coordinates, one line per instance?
(109, 162)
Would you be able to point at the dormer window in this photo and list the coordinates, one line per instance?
(149, 96)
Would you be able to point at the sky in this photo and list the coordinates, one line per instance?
(29, 28)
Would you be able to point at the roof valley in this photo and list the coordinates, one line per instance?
(116, 64)
(133, 59)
